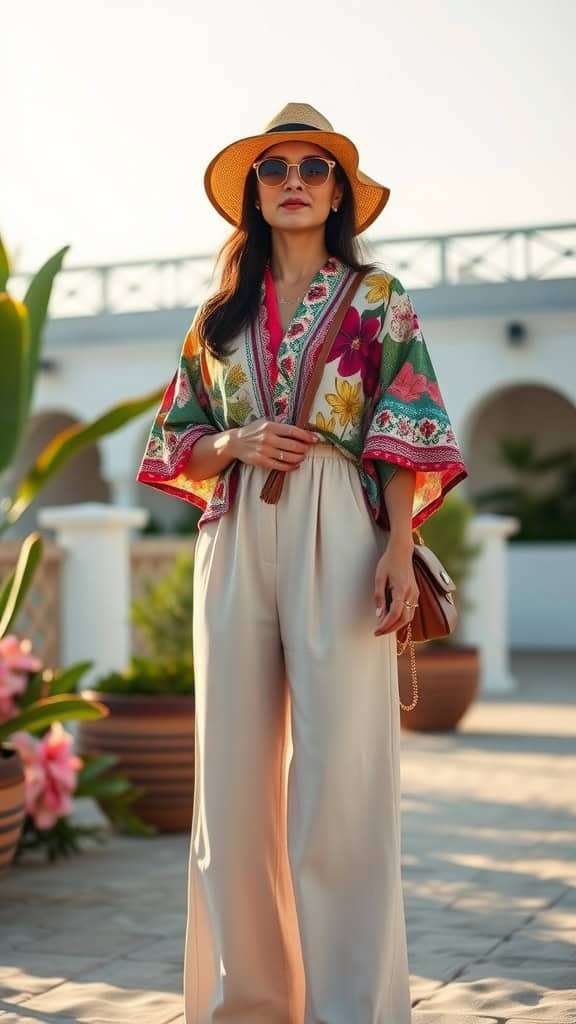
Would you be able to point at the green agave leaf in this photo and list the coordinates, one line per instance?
(14, 356)
(18, 583)
(4, 266)
(52, 709)
(104, 787)
(94, 766)
(70, 441)
(37, 300)
(67, 680)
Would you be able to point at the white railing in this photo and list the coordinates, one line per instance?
(428, 261)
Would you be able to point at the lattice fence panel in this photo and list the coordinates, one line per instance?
(39, 619)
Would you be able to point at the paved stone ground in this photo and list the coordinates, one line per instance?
(489, 874)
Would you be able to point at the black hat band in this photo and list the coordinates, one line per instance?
(292, 128)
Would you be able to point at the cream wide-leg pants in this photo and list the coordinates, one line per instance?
(295, 912)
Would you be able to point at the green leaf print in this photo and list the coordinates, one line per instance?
(238, 412)
(396, 286)
(369, 314)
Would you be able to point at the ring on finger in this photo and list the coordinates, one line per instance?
(281, 456)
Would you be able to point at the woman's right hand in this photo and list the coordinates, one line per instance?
(260, 443)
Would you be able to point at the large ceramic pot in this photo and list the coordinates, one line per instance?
(12, 809)
(448, 680)
(153, 738)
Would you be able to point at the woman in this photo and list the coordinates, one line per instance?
(295, 911)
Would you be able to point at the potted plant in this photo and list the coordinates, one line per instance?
(150, 726)
(21, 337)
(448, 671)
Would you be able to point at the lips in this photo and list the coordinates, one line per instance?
(295, 204)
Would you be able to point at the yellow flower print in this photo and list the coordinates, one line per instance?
(347, 403)
(236, 377)
(379, 287)
(323, 424)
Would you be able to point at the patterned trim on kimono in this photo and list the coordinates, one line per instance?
(298, 349)
(164, 461)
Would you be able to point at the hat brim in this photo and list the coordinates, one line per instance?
(225, 176)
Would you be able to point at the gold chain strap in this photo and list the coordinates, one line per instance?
(400, 650)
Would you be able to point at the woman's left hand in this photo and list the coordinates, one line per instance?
(395, 571)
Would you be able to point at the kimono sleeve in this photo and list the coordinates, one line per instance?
(409, 424)
(184, 416)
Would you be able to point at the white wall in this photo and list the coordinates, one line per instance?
(542, 596)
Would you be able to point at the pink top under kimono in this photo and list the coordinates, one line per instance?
(379, 401)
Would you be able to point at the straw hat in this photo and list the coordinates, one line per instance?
(226, 174)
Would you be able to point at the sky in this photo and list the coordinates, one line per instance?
(113, 109)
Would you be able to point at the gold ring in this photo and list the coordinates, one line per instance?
(408, 605)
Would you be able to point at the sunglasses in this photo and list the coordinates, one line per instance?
(312, 170)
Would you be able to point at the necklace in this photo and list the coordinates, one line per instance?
(285, 302)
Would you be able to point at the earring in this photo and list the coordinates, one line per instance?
(257, 205)
(335, 208)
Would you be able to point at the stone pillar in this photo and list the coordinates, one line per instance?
(123, 490)
(96, 582)
(485, 622)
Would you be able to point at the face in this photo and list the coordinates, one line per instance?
(294, 205)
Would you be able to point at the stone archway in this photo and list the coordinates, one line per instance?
(78, 480)
(540, 571)
(519, 410)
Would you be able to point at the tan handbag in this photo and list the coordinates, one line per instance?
(436, 615)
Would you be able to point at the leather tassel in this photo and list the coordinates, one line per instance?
(272, 489)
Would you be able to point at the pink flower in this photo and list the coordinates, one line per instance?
(356, 346)
(428, 427)
(15, 664)
(316, 293)
(295, 329)
(404, 323)
(50, 771)
(407, 385)
(434, 393)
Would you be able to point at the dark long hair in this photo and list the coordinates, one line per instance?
(243, 259)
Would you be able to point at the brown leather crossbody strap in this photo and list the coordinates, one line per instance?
(275, 480)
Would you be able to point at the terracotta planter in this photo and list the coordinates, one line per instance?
(448, 680)
(12, 811)
(153, 738)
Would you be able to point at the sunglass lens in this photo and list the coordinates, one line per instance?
(272, 172)
(314, 170)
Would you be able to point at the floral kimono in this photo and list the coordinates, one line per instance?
(378, 401)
